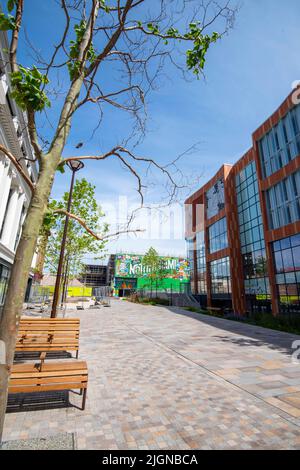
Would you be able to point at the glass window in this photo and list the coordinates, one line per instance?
(281, 144)
(290, 278)
(201, 263)
(285, 243)
(251, 232)
(287, 261)
(4, 277)
(276, 246)
(296, 257)
(279, 262)
(295, 240)
(218, 239)
(220, 277)
(280, 279)
(283, 201)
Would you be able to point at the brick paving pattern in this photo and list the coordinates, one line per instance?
(163, 378)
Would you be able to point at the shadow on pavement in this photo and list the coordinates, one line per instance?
(21, 402)
(247, 335)
(21, 357)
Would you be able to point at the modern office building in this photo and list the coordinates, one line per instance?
(243, 226)
(130, 273)
(14, 193)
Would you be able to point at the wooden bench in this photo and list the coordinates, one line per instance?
(48, 334)
(45, 377)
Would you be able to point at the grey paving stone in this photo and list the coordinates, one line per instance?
(165, 378)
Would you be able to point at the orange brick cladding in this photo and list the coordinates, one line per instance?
(228, 173)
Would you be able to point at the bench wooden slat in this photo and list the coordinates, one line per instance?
(48, 388)
(47, 380)
(49, 366)
(48, 337)
(56, 374)
(50, 322)
(44, 319)
(47, 349)
(49, 327)
(57, 341)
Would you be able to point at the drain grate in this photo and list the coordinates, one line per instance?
(65, 441)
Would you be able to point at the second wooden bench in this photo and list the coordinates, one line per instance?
(45, 377)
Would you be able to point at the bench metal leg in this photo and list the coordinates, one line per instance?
(77, 353)
(84, 398)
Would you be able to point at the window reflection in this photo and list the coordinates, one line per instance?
(283, 201)
(218, 239)
(201, 263)
(4, 278)
(281, 144)
(220, 276)
(251, 236)
(287, 265)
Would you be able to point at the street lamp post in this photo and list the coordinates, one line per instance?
(74, 165)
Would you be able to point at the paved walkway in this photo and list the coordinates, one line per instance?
(162, 379)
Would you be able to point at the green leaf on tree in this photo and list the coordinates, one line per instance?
(7, 22)
(11, 5)
(61, 168)
(26, 89)
(74, 64)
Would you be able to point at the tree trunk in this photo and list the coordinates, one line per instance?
(12, 309)
(41, 255)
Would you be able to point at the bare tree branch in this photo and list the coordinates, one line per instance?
(15, 37)
(63, 39)
(33, 134)
(91, 232)
(18, 166)
(113, 40)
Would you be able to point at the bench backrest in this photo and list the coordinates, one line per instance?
(53, 376)
(47, 334)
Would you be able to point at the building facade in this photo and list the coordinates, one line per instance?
(15, 195)
(94, 275)
(130, 274)
(243, 226)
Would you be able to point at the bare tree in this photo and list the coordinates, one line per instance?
(132, 38)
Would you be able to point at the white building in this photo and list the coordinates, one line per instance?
(15, 194)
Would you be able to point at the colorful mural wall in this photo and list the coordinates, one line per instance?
(130, 271)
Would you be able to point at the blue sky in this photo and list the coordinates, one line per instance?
(248, 74)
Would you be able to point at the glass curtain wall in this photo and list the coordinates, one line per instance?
(218, 239)
(253, 249)
(282, 144)
(190, 257)
(283, 201)
(220, 278)
(287, 263)
(201, 263)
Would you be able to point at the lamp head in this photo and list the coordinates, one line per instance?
(75, 165)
